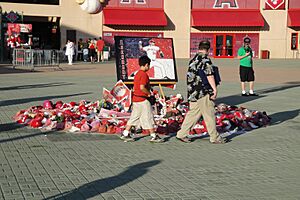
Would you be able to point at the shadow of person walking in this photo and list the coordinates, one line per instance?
(278, 118)
(237, 99)
(10, 126)
(40, 98)
(100, 186)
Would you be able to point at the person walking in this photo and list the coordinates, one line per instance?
(141, 108)
(245, 55)
(201, 98)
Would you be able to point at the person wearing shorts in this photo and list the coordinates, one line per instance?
(100, 46)
(141, 108)
(245, 55)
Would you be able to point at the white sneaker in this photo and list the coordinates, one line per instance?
(156, 139)
(127, 138)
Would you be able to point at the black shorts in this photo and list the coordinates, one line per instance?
(92, 52)
(246, 74)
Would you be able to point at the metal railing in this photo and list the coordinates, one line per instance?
(36, 58)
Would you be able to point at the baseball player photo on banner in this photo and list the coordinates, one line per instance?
(159, 50)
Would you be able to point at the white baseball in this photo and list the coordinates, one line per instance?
(91, 6)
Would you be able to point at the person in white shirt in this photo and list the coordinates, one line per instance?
(151, 51)
(70, 51)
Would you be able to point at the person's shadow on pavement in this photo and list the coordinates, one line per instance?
(100, 186)
(278, 118)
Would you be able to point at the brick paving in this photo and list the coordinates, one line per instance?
(262, 164)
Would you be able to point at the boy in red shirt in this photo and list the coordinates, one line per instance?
(141, 108)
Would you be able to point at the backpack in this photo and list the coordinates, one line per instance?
(203, 75)
(205, 80)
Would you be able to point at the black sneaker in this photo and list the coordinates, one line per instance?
(127, 138)
(253, 94)
(245, 95)
(156, 139)
(185, 139)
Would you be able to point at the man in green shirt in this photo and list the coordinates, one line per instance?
(245, 56)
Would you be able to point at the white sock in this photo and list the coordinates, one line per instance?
(251, 91)
(243, 92)
(125, 133)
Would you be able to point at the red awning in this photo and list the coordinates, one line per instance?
(227, 18)
(135, 17)
(294, 18)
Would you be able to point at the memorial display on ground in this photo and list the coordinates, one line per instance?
(110, 114)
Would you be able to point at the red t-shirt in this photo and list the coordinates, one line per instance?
(141, 78)
(92, 46)
(100, 45)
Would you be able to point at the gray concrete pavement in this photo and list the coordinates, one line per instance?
(262, 164)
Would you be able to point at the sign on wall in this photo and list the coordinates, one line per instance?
(225, 4)
(274, 4)
(294, 41)
(135, 3)
(159, 50)
(236, 43)
(294, 4)
(13, 29)
(196, 38)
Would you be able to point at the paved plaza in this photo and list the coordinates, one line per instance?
(263, 164)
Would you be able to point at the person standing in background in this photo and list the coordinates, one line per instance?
(100, 46)
(80, 50)
(85, 50)
(70, 51)
(245, 55)
(92, 50)
(11, 44)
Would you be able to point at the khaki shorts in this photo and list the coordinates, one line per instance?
(141, 115)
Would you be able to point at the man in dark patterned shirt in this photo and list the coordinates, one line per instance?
(202, 91)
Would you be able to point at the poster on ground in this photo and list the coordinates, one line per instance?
(159, 50)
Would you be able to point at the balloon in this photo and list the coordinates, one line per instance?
(91, 6)
(80, 1)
